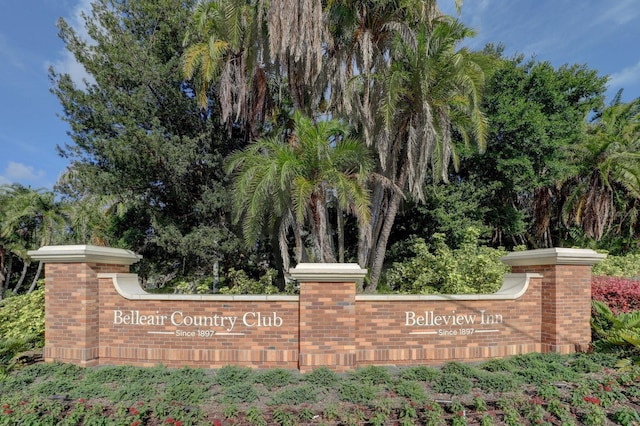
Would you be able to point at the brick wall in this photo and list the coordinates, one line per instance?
(258, 339)
(96, 313)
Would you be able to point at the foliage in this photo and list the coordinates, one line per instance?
(291, 182)
(23, 316)
(619, 332)
(230, 375)
(536, 113)
(322, 377)
(453, 384)
(440, 269)
(626, 265)
(237, 282)
(419, 372)
(498, 382)
(295, 395)
(357, 392)
(275, 378)
(603, 199)
(619, 294)
(240, 392)
(66, 394)
(373, 374)
(139, 147)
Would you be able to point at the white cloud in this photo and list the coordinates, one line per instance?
(620, 12)
(67, 64)
(626, 77)
(21, 172)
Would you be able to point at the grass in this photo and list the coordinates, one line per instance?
(546, 389)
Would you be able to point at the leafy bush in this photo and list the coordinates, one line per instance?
(438, 269)
(295, 395)
(498, 382)
(241, 392)
(230, 375)
(22, 316)
(411, 390)
(620, 333)
(21, 327)
(237, 282)
(421, 373)
(620, 294)
(373, 374)
(453, 384)
(322, 377)
(627, 266)
(275, 378)
(357, 393)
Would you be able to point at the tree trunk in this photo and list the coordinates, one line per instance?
(340, 230)
(34, 283)
(3, 277)
(23, 274)
(377, 259)
(381, 229)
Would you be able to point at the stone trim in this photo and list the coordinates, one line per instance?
(128, 286)
(513, 287)
(328, 272)
(84, 254)
(553, 256)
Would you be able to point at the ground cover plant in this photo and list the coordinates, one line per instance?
(532, 389)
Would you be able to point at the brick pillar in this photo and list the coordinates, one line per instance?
(327, 314)
(72, 298)
(566, 294)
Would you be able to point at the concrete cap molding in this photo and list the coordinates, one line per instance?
(553, 256)
(84, 254)
(328, 272)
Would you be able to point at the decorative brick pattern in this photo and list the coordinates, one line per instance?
(327, 325)
(88, 321)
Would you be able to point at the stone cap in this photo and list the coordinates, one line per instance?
(553, 256)
(328, 272)
(84, 254)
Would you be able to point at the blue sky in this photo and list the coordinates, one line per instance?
(605, 35)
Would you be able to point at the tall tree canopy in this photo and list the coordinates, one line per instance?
(392, 69)
(537, 115)
(139, 138)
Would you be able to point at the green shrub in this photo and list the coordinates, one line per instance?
(357, 393)
(420, 372)
(460, 368)
(237, 282)
(295, 395)
(410, 390)
(498, 382)
(627, 265)
(619, 333)
(322, 377)
(373, 374)
(241, 392)
(453, 384)
(275, 378)
(230, 375)
(437, 268)
(22, 316)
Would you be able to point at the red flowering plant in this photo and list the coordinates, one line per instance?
(620, 294)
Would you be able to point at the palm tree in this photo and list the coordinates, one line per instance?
(610, 160)
(221, 50)
(392, 70)
(291, 184)
(428, 91)
(37, 218)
